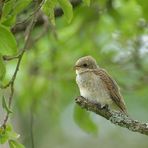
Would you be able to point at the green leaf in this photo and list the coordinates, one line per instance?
(144, 6)
(84, 121)
(7, 134)
(7, 8)
(20, 5)
(11, 9)
(8, 45)
(48, 9)
(4, 104)
(15, 144)
(14, 7)
(9, 21)
(4, 134)
(2, 68)
(87, 2)
(67, 8)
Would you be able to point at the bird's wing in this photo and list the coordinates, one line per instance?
(112, 88)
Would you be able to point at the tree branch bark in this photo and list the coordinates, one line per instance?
(116, 118)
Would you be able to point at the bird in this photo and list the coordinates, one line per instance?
(96, 84)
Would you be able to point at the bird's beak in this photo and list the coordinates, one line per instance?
(76, 67)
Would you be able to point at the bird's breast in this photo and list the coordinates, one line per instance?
(92, 87)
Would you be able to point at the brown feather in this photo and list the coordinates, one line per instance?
(112, 88)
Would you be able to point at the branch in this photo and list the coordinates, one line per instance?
(116, 118)
(58, 12)
(26, 45)
(1, 7)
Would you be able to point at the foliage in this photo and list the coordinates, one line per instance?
(7, 134)
(112, 31)
(83, 119)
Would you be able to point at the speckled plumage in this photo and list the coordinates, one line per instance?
(95, 84)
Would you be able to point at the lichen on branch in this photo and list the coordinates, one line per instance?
(115, 117)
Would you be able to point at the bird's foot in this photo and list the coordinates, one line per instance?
(100, 106)
(95, 102)
(103, 106)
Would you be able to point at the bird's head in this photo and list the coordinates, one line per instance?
(85, 63)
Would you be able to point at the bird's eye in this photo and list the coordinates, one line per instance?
(85, 65)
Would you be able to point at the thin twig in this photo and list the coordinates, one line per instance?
(9, 58)
(1, 7)
(29, 17)
(45, 27)
(58, 13)
(115, 117)
(11, 82)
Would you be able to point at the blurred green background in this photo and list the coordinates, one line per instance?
(115, 33)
